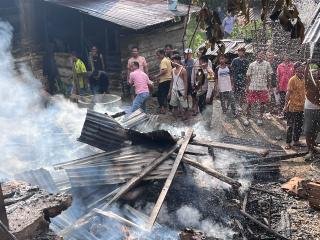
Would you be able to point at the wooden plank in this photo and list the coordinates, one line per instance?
(165, 189)
(3, 213)
(262, 225)
(261, 151)
(135, 180)
(118, 218)
(211, 172)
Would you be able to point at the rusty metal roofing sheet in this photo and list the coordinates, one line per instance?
(232, 46)
(313, 31)
(133, 14)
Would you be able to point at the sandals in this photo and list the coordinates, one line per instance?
(287, 147)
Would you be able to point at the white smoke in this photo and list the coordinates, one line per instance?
(36, 130)
(191, 217)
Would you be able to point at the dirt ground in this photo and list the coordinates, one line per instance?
(304, 221)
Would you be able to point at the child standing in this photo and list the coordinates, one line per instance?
(224, 84)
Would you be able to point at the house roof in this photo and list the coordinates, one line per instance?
(132, 14)
(232, 46)
(313, 31)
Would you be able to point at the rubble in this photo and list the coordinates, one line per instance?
(29, 209)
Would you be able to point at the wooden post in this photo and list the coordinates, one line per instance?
(211, 172)
(3, 213)
(165, 189)
(261, 151)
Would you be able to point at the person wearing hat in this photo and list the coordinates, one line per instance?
(294, 105)
(188, 64)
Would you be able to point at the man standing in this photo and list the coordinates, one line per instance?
(188, 64)
(165, 76)
(79, 72)
(294, 105)
(258, 77)
(196, 75)
(284, 73)
(228, 24)
(179, 87)
(205, 82)
(135, 57)
(275, 98)
(239, 67)
(98, 79)
(141, 83)
(225, 84)
(312, 111)
(143, 66)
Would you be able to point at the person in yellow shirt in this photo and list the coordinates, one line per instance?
(79, 72)
(294, 106)
(165, 77)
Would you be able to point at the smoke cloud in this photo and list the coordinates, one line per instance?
(191, 217)
(36, 130)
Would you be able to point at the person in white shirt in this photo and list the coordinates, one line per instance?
(179, 87)
(225, 85)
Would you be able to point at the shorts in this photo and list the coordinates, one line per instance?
(257, 96)
(177, 100)
(311, 122)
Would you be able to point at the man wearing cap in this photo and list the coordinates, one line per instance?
(188, 64)
(312, 110)
(294, 105)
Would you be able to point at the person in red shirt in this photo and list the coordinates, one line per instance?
(285, 71)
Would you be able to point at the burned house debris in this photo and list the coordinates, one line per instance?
(92, 171)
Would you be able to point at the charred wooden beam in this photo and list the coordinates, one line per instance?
(211, 172)
(166, 187)
(228, 146)
(3, 213)
(262, 225)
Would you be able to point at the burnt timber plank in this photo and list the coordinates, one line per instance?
(200, 142)
(165, 189)
(211, 172)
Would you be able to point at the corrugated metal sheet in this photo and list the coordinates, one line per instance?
(102, 131)
(114, 167)
(133, 14)
(232, 46)
(313, 31)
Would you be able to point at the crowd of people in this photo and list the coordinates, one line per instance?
(186, 85)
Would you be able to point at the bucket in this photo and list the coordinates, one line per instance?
(105, 100)
(172, 5)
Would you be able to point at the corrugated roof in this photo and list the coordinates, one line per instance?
(232, 46)
(313, 31)
(133, 14)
